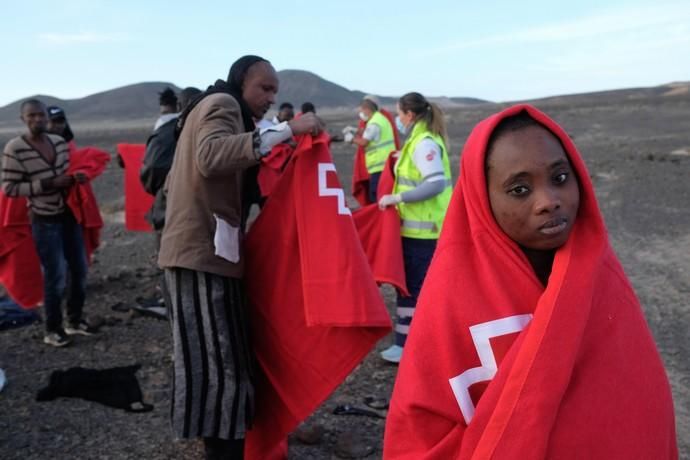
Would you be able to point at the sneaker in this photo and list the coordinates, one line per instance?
(82, 328)
(392, 354)
(56, 339)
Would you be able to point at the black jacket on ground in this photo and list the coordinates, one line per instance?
(115, 387)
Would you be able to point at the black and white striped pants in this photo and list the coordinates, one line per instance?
(213, 393)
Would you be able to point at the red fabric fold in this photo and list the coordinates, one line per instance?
(360, 175)
(578, 374)
(81, 199)
(20, 268)
(137, 201)
(272, 167)
(316, 310)
(379, 233)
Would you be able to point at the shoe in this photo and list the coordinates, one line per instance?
(56, 339)
(155, 312)
(82, 328)
(392, 354)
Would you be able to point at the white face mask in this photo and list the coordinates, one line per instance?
(363, 116)
(402, 129)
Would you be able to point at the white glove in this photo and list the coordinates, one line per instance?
(349, 137)
(349, 129)
(389, 200)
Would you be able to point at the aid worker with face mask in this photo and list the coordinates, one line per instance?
(377, 139)
(421, 194)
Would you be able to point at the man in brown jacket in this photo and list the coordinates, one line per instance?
(201, 252)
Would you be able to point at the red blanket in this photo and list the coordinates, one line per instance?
(20, 267)
(379, 233)
(360, 175)
(81, 199)
(316, 310)
(272, 167)
(137, 201)
(496, 366)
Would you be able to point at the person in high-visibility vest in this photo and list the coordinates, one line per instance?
(421, 194)
(377, 139)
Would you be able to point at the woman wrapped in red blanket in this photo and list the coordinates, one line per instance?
(529, 341)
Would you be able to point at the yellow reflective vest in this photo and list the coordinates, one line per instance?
(376, 152)
(422, 219)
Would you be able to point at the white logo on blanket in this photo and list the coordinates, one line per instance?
(324, 190)
(481, 336)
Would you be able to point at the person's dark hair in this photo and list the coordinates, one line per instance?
(167, 98)
(186, 96)
(371, 105)
(286, 105)
(233, 87)
(517, 122)
(425, 110)
(511, 124)
(238, 71)
(308, 107)
(28, 102)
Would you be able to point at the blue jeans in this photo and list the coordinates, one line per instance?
(373, 186)
(60, 246)
(417, 254)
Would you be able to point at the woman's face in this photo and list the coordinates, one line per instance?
(406, 117)
(533, 190)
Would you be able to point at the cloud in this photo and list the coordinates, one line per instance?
(77, 38)
(611, 23)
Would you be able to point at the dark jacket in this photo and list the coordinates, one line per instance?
(160, 151)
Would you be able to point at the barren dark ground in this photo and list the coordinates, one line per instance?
(638, 153)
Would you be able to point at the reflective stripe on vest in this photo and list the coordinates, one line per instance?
(414, 183)
(419, 225)
(370, 148)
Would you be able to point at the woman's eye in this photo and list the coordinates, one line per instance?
(518, 190)
(560, 178)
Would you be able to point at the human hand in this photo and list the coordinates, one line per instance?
(389, 200)
(81, 177)
(64, 181)
(349, 137)
(306, 124)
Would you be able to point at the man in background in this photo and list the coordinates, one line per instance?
(377, 139)
(160, 152)
(286, 112)
(57, 124)
(35, 165)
